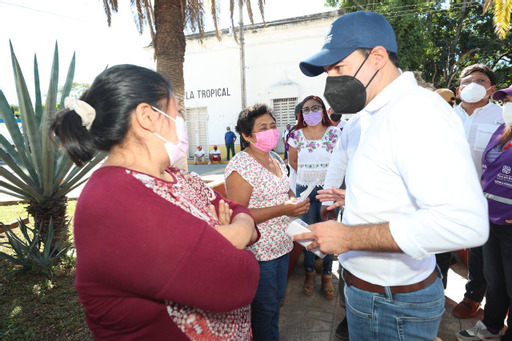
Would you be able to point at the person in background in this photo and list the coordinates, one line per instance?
(292, 174)
(256, 178)
(400, 203)
(310, 153)
(444, 259)
(333, 195)
(480, 118)
(229, 139)
(447, 95)
(336, 119)
(286, 131)
(199, 155)
(215, 155)
(138, 201)
(497, 252)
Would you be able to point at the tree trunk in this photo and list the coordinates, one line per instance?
(54, 209)
(170, 46)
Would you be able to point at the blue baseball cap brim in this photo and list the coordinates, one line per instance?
(314, 65)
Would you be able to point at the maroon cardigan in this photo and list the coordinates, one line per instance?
(136, 250)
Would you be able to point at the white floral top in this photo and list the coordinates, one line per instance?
(313, 156)
(267, 190)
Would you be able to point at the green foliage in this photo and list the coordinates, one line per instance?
(36, 170)
(30, 252)
(440, 38)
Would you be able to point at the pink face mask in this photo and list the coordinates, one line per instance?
(266, 140)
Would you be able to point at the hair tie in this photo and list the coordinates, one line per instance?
(83, 109)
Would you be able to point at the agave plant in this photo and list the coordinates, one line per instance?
(30, 252)
(36, 170)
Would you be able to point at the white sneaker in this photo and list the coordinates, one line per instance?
(478, 332)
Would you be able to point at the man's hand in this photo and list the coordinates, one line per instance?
(294, 208)
(330, 236)
(335, 194)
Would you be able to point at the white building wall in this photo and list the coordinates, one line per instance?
(272, 56)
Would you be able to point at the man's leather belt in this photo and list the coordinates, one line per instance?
(350, 279)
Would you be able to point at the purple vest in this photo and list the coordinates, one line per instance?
(497, 181)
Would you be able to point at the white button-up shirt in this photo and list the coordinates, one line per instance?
(479, 128)
(343, 152)
(412, 168)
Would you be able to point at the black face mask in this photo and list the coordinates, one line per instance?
(335, 117)
(346, 94)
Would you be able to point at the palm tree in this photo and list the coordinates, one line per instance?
(502, 13)
(167, 20)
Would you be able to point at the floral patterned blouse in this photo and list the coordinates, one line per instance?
(267, 190)
(313, 156)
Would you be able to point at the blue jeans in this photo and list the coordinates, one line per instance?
(497, 254)
(407, 317)
(313, 217)
(266, 303)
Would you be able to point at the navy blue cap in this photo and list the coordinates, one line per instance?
(348, 33)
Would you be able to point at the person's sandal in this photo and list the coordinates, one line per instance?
(309, 283)
(327, 287)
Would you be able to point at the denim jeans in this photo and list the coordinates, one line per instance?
(266, 303)
(407, 317)
(312, 217)
(497, 254)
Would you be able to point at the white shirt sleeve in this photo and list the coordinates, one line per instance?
(436, 167)
(337, 165)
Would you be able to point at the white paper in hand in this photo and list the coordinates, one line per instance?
(303, 196)
(298, 226)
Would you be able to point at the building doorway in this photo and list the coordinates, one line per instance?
(197, 129)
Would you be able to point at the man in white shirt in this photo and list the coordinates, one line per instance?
(480, 118)
(215, 155)
(408, 196)
(199, 155)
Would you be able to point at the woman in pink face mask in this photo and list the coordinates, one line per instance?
(256, 178)
(310, 151)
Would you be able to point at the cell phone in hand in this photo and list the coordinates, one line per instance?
(298, 226)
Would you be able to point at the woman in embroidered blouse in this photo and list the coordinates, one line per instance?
(310, 151)
(256, 178)
(147, 233)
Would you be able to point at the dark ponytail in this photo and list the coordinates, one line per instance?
(114, 95)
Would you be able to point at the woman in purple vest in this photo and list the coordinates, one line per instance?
(497, 252)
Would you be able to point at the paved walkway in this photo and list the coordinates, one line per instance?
(315, 319)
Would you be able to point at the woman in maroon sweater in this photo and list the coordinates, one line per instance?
(159, 254)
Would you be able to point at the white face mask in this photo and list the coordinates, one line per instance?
(178, 150)
(473, 93)
(507, 113)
